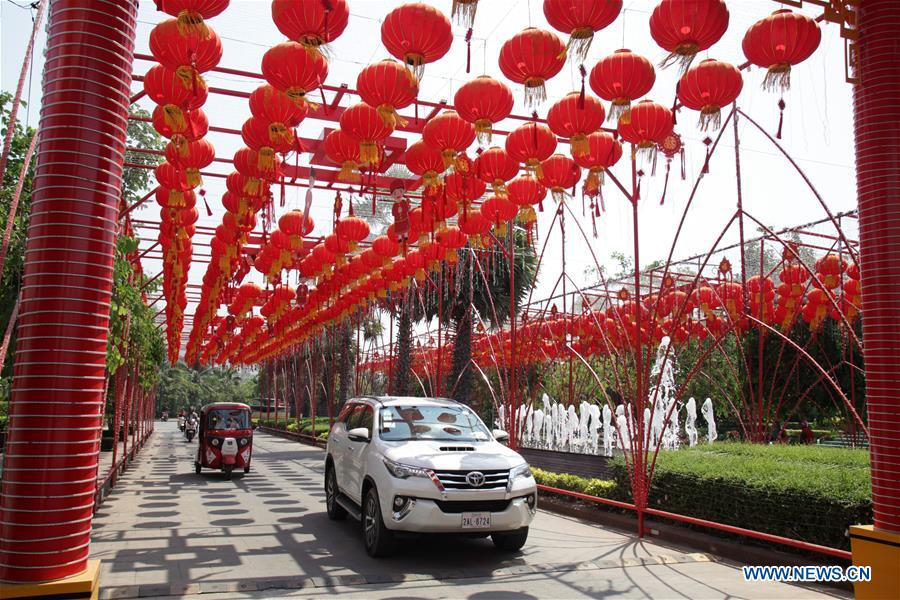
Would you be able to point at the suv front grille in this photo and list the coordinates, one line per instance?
(456, 480)
(461, 506)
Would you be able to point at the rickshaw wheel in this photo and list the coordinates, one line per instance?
(228, 470)
(197, 468)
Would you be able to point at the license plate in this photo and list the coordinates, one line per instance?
(476, 520)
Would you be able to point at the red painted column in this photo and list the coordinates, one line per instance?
(57, 395)
(876, 99)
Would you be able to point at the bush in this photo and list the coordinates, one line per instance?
(602, 488)
(3, 420)
(802, 492)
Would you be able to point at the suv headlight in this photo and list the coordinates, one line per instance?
(401, 471)
(523, 471)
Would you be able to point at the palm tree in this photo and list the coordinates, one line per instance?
(480, 289)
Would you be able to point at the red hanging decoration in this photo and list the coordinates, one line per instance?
(580, 19)
(365, 124)
(531, 144)
(708, 87)
(569, 120)
(686, 27)
(604, 151)
(449, 134)
(649, 124)
(495, 167)
(621, 78)
(197, 51)
(559, 173)
(386, 85)
(343, 150)
(416, 34)
(313, 23)
(531, 57)
(165, 87)
(291, 69)
(778, 42)
(425, 161)
(483, 102)
(276, 107)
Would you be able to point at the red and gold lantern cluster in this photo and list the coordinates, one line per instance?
(185, 47)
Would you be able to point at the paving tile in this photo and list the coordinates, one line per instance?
(148, 591)
(118, 592)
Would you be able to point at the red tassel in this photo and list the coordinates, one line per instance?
(324, 103)
(683, 174)
(205, 203)
(534, 117)
(675, 105)
(350, 207)
(282, 191)
(583, 72)
(705, 168)
(541, 206)
(469, 50)
(666, 184)
(781, 106)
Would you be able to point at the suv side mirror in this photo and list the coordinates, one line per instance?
(500, 435)
(359, 434)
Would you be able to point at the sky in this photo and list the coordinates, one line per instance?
(817, 130)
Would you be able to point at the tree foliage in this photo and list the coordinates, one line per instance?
(182, 387)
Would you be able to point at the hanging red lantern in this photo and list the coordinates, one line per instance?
(499, 210)
(262, 165)
(164, 87)
(685, 27)
(243, 185)
(604, 151)
(580, 19)
(495, 167)
(179, 126)
(575, 117)
(170, 176)
(778, 42)
(649, 124)
(364, 124)
(343, 150)
(559, 174)
(386, 85)
(531, 144)
(531, 57)
(291, 69)
(449, 134)
(526, 192)
(473, 223)
(463, 188)
(294, 223)
(267, 138)
(621, 78)
(416, 34)
(275, 107)
(484, 101)
(312, 23)
(191, 157)
(424, 161)
(191, 13)
(167, 198)
(352, 229)
(195, 51)
(708, 87)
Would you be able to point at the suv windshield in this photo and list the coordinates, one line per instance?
(442, 423)
(223, 418)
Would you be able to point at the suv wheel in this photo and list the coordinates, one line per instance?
(512, 541)
(379, 539)
(336, 512)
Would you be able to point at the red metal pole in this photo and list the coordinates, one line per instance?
(876, 98)
(56, 412)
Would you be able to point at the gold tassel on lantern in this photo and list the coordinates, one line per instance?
(535, 92)
(579, 144)
(415, 67)
(527, 215)
(252, 187)
(390, 117)
(176, 199)
(420, 275)
(579, 44)
(368, 152)
(192, 177)
(449, 156)
(190, 78)
(176, 120)
(349, 172)
(191, 22)
(533, 165)
(279, 134)
(484, 131)
(266, 159)
(710, 116)
(498, 186)
(500, 229)
(620, 111)
(778, 77)
(298, 96)
(594, 180)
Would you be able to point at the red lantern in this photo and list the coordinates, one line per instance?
(779, 41)
(526, 192)
(364, 124)
(292, 223)
(450, 134)
(191, 13)
(312, 23)
(195, 51)
(243, 185)
(352, 229)
(386, 85)
(172, 177)
(604, 151)
(180, 127)
(484, 101)
(473, 224)
(425, 161)
(531, 144)
(575, 117)
(191, 157)
(559, 174)
(708, 87)
(581, 19)
(621, 78)
(685, 27)
(531, 58)
(344, 151)
(165, 86)
(649, 124)
(499, 210)
(267, 137)
(416, 34)
(495, 167)
(276, 107)
(463, 189)
(291, 69)
(262, 165)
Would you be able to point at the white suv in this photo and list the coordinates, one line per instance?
(425, 465)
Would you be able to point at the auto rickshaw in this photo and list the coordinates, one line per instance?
(225, 439)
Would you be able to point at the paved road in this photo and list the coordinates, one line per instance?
(166, 531)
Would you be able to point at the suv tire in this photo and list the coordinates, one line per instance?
(336, 512)
(379, 540)
(512, 541)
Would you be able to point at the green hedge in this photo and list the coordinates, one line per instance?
(602, 488)
(303, 426)
(802, 492)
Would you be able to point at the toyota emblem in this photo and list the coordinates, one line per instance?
(475, 479)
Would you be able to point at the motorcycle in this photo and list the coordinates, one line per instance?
(164, 417)
(190, 430)
(181, 424)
